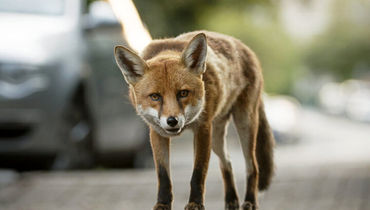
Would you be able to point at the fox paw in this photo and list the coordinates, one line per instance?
(232, 205)
(249, 206)
(160, 206)
(194, 206)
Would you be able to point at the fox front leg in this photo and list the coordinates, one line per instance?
(161, 153)
(202, 147)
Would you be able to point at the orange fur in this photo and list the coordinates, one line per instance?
(221, 77)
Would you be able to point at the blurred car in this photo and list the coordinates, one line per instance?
(283, 113)
(350, 98)
(62, 99)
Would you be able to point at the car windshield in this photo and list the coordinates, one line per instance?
(40, 7)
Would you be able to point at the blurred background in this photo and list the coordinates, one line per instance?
(64, 104)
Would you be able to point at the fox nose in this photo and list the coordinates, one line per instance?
(171, 121)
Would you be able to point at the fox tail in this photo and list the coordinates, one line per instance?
(264, 150)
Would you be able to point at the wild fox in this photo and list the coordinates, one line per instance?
(198, 80)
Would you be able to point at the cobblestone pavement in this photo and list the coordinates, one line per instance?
(329, 169)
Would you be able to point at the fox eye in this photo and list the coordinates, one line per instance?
(183, 93)
(155, 96)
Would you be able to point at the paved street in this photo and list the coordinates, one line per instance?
(327, 169)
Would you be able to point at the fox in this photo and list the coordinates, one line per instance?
(199, 81)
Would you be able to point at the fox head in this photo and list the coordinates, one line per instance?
(167, 90)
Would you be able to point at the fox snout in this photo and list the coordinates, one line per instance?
(166, 125)
(172, 124)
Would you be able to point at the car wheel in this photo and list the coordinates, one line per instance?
(76, 137)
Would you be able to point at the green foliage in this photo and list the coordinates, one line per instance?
(257, 26)
(166, 18)
(344, 49)
(340, 53)
(88, 2)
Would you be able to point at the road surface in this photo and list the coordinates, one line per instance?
(327, 169)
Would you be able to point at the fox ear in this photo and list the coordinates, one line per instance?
(194, 55)
(131, 65)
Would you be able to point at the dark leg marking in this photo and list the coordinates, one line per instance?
(230, 192)
(196, 187)
(251, 192)
(165, 188)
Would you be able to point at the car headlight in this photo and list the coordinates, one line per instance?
(20, 80)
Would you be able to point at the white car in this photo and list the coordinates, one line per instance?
(62, 99)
